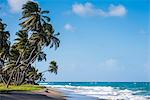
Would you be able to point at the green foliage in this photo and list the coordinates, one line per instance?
(53, 67)
(36, 34)
(4, 41)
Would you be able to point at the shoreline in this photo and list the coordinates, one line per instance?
(48, 93)
(69, 95)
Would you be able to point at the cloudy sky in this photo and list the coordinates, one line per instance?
(101, 40)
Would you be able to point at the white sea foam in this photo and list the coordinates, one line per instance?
(102, 92)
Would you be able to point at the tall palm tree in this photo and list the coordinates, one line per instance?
(4, 41)
(36, 34)
(4, 48)
(33, 17)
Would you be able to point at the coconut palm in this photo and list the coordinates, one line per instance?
(4, 48)
(33, 17)
(53, 67)
(42, 32)
(4, 41)
(36, 34)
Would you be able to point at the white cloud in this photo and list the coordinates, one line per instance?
(83, 9)
(88, 9)
(69, 27)
(16, 5)
(119, 10)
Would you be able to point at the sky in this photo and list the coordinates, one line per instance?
(101, 40)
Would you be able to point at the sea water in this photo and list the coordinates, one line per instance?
(104, 90)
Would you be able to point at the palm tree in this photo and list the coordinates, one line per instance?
(4, 48)
(34, 17)
(36, 34)
(53, 67)
(21, 40)
(4, 41)
(42, 32)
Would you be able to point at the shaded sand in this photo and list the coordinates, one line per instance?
(53, 93)
(47, 94)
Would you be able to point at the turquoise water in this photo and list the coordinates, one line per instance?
(105, 90)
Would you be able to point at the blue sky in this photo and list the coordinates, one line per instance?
(101, 40)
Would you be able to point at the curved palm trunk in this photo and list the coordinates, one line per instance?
(17, 67)
(2, 79)
(33, 58)
(14, 70)
(9, 80)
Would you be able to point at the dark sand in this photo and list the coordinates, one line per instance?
(47, 94)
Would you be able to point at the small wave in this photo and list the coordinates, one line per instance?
(43, 83)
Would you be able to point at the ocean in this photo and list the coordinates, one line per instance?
(103, 90)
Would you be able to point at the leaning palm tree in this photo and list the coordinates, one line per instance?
(36, 34)
(4, 48)
(53, 67)
(4, 41)
(35, 20)
(33, 17)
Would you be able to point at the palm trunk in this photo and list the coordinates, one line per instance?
(30, 55)
(17, 82)
(26, 67)
(9, 80)
(2, 79)
(16, 67)
(33, 58)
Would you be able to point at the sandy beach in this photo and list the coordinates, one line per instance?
(47, 94)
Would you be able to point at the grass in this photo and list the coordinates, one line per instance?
(26, 87)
